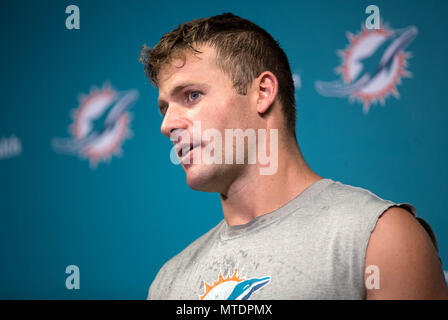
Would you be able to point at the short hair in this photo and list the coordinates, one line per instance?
(243, 51)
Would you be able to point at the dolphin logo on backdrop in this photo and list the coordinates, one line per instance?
(100, 125)
(372, 66)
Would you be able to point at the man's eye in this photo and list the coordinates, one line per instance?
(162, 111)
(193, 95)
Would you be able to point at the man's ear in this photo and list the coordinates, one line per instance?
(267, 88)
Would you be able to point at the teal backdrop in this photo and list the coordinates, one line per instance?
(121, 221)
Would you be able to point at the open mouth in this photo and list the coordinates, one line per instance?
(183, 151)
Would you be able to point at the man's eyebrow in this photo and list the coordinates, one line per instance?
(163, 103)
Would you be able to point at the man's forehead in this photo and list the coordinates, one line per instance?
(188, 63)
(179, 73)
(170, 76)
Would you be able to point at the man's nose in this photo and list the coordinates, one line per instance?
(171, 122)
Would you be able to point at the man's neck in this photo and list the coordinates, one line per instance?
(252, 194)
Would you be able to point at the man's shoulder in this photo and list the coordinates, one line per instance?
(351, 206)
(339, 192)
(341, 196)
(397, 242)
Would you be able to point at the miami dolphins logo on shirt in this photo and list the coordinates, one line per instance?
(233, 287)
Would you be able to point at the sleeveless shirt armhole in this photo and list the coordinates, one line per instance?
(422, 222)
(411, 209)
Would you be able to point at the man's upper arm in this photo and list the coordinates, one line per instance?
(407, 260)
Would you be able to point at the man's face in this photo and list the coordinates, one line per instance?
(210, 98)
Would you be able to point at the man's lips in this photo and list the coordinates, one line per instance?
(184, 149)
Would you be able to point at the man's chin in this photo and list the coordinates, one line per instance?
(201, 177)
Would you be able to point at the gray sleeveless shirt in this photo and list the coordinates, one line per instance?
(313, 247)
